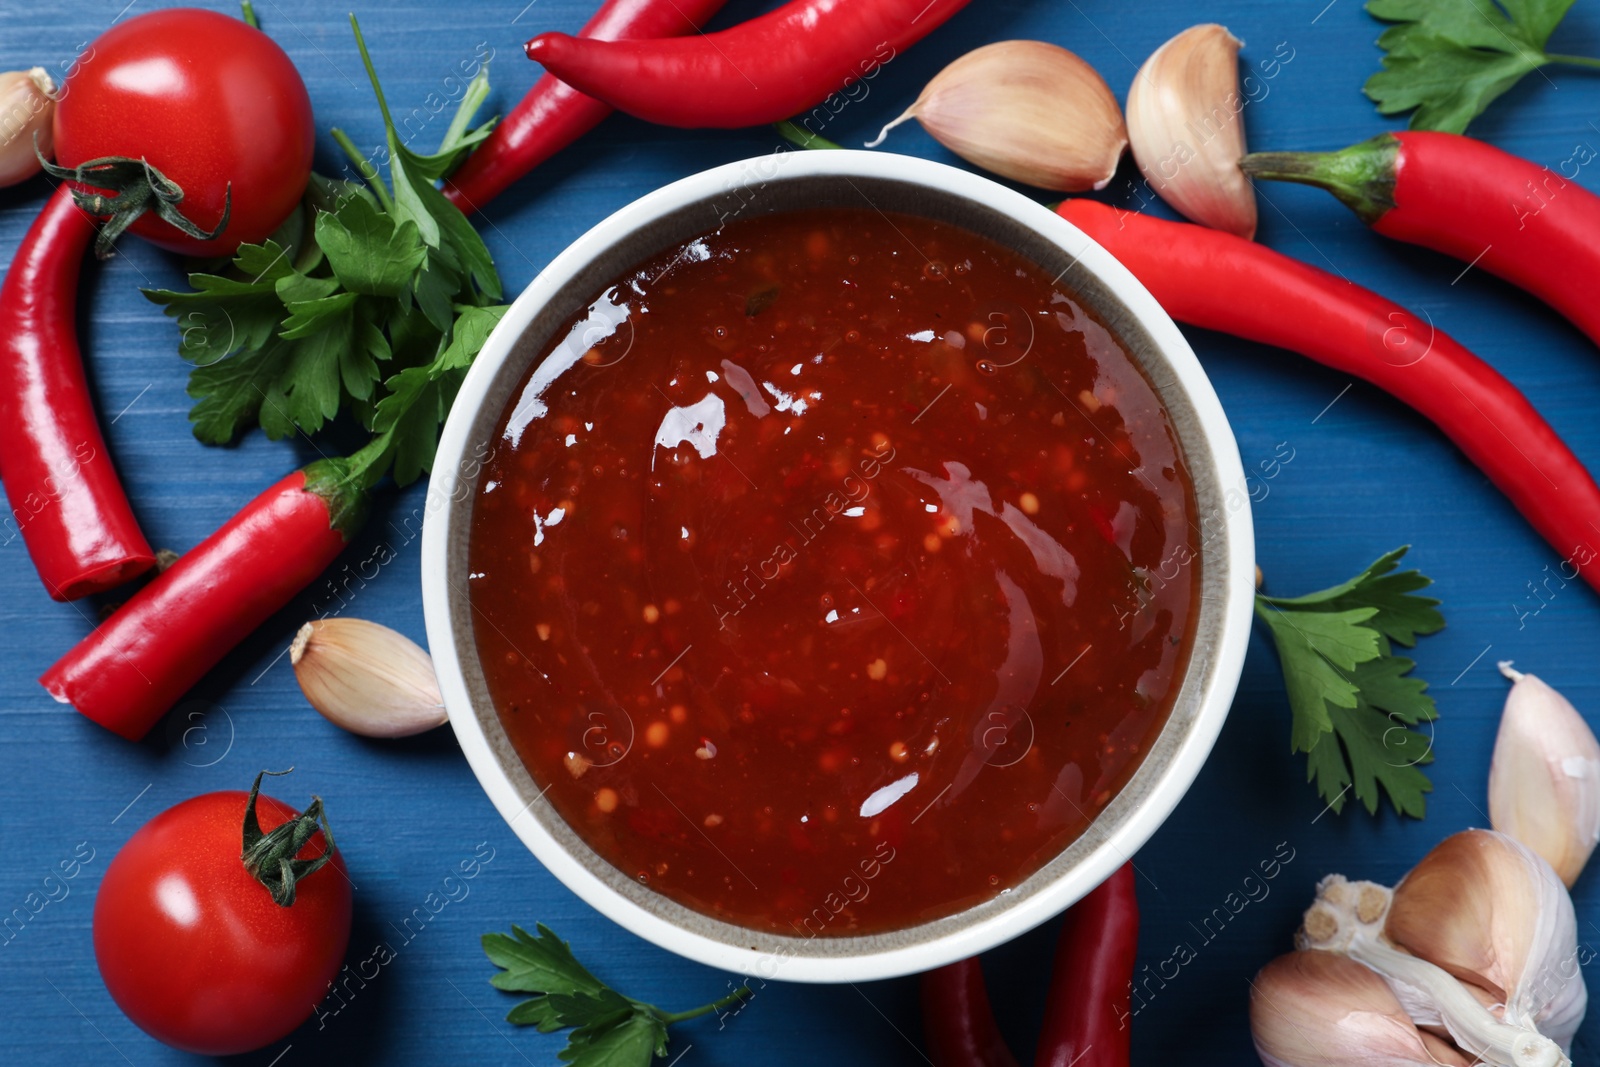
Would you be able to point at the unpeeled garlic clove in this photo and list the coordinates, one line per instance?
(1354, 919)
(367, 678)
(1186, 127)
(1030, 111)
(1489, 911)
(1544, 780)
(1321, 1009)
(27, 106)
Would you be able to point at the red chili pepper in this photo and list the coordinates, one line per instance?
(553, 114)
(1222, 282)
(1515, 219)
(759, 72)
(64, 493)
(1084, 1024)
(957, 1022)
(131, 670)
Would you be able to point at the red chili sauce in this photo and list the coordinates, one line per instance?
(833, 571)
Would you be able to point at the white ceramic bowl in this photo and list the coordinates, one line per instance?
(785, 180)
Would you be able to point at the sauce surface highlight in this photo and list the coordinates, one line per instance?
(832, 571)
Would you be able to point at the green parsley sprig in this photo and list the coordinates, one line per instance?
(1353, 700)
(376, 308)
(1449, 59)
(608, 1029)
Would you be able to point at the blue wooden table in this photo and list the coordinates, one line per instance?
(1365, 475)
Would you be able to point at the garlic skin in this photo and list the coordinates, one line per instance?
(1320, 1009)
(367, 678)
(1492, 913)
(1186, 127)
(1026, 110)
(1544, 780)
(27, 107)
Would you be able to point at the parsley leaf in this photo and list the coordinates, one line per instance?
(373, 303)
(1354, 702)
(1450, 59)
(608, 1029)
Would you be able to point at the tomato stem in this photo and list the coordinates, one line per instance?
(121, 189)
(273, 858)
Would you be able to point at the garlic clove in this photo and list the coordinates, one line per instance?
(367, 678)
(1544, 780)
(27, 107)
(1186, 128)
(1026, 110)
(1351, 918)
(1489, 911)
(1321, 1009)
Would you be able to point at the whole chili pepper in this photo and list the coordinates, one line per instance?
(1084, 1024)
(553, 114)
(1514, 218)
(64, 493)
(132, 669)
(957, 1022)
(1222, 282)
(758, 72)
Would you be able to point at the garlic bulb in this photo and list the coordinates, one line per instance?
(367, 678)
(1026, 110)
(1479, 939)
(1544, 781)
(1320, 1009)
(1186, 127)
(27, 107)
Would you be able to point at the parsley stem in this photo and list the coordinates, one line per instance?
(372, 73)
(477, 92)
(364, 168)
(728, 1001)
(1574, 61)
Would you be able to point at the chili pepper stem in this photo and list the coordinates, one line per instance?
(670, 1017)
(339, 483)
(1361, 176)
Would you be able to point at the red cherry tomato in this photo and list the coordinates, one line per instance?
(207, 100)
(194, 949)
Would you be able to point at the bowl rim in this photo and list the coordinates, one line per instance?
(1226, 645)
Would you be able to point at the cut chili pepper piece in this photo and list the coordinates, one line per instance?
(142, 659)
(762, 71)
(553, 114)
(1198, 275)
(64, 493)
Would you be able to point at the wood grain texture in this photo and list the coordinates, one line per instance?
(1366, 475)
